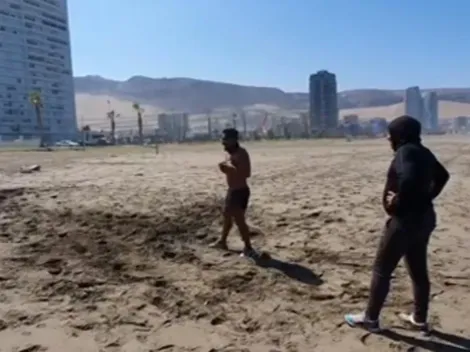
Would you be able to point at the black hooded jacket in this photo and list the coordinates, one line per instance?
(414, 175)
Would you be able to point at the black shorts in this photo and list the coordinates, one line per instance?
(237, 198)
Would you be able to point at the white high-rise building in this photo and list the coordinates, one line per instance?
(414, 103)
(431, 111)
(35, 55)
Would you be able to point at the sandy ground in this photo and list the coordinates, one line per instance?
(106, 250)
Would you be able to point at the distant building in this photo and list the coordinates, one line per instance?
(295, 128)
(431, 111)
(414, 103)
(173, 126)
(461, 124)
(323, 99)
(305, 124)
(351, 119)
(379, 126)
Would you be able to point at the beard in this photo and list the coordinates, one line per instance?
(231, 148)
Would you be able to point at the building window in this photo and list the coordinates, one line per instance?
(32, 42)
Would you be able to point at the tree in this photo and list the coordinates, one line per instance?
(140, 112)
(245, 136)
(112, 120)
(36, 101)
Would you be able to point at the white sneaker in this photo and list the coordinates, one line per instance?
(409, 319)
(360, 321)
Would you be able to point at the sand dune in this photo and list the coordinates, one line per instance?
(92, 110)
(106, 250)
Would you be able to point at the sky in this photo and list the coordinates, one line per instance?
(389, 44)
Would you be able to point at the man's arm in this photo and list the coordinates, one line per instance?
(223, 167)
(407, 162)
(246, 165)
(239, 164)
(441, 176)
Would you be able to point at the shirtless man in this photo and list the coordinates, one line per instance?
(237, 169)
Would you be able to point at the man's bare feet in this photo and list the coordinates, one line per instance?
(219, 245)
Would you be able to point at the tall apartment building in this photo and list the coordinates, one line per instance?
(323, 99)
(35, 55)
(431, 111)
(414, 104)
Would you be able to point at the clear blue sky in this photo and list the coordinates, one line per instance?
(367, 43)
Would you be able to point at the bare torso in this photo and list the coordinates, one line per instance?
(241, 160)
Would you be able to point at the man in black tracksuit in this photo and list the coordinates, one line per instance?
(415, 177)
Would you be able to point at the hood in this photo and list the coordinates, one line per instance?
(404, 129)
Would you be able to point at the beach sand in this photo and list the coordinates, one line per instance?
(106, 250)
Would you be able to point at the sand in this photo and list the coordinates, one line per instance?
(106, 250)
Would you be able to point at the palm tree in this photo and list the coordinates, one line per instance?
(244, 125)
(112, 120)
(140, 111)
(209, 126)
(36, 101)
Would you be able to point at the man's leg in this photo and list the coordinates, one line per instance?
(416, 263)
(227, 223)
(226, 227)
(392, 247)
(240, 221)
(239, 210)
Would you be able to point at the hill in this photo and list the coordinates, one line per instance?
(200, 96)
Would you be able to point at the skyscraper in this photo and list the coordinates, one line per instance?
(35, 55)
(323, 98)
(431, 111)
(414, 103)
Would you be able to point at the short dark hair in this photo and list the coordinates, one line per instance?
(230, 133)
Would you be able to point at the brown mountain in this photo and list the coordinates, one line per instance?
(195, 96)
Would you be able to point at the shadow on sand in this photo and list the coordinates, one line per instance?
(447, 343)
(294, 271)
